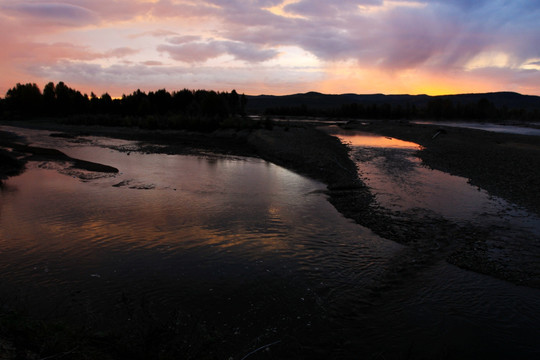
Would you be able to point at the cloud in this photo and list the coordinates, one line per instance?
(165, 9)
(185, 50)
(53, 53)
(119, 79)
(192, 52)
(400, 34)
(120, 52)
(152, 63)
(323, 8)
(178, 40)
(153, 33)
(118, 10)
(384, 36)
(51, 13)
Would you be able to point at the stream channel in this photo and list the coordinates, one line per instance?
(254, 254)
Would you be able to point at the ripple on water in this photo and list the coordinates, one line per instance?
(243, 242)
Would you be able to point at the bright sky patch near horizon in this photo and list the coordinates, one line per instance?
(273, 46)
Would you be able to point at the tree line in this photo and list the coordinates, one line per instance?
(192, 109)
(439, 108)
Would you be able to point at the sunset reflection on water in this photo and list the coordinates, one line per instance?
(239, 244)
(359, 138)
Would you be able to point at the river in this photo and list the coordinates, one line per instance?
(239, 253)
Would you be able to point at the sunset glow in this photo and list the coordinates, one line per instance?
(273, 46)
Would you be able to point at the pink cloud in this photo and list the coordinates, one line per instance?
(323, 8)
(152, 63)
(182, 49)
(57, 14)
(178, 40)
(120, 52)
(154, 33)
(52, 53)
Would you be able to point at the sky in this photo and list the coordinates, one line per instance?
(275, 47)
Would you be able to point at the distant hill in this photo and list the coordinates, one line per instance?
(318, 101)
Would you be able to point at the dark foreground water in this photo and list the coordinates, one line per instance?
(233, 254)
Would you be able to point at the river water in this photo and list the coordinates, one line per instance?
(400, 182)
(248, 251)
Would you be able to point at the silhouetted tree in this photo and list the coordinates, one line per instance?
(24, 99)
(182, 101)
(160, 101)
(234, 102)
(49, 99)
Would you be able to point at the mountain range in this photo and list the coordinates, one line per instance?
(319, 101)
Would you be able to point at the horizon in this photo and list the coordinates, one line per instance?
(273, 47)
(119, 97)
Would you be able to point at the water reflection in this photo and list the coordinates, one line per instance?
(400, 182)
(245, 247)
(364, 139)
